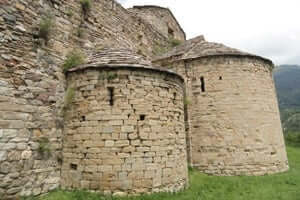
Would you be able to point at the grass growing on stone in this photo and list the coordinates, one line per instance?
(86, 6)
(73, 59)
(45, 26)
(203, 187)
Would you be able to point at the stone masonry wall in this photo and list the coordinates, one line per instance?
(32, 84)
(235, 124)
(161, 19)
(181, 68)
(136, 145)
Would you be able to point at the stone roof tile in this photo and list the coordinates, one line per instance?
(113, 57)
(198, 47)
(119, 58)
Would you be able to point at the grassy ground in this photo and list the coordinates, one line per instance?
(284, 186)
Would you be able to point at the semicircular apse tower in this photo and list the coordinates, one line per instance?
(124, 130)
(232, 113)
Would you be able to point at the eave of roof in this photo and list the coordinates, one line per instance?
(198, 47)
(119, 59)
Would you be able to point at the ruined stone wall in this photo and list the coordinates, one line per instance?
(32, 84)
(134, 144)
(235, 124)
(161, 19)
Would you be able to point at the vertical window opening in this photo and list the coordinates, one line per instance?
(174, 97)
(202, 84)
(220, 78)
(111, 95)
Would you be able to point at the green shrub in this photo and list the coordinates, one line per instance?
(174, 42)
(74, 58)
(69, 97)
(45, 27)
(85, 6)
(292, 138)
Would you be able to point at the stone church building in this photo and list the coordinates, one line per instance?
(144, 105)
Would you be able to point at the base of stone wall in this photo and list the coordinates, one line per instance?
(138, 192)
(242, 171)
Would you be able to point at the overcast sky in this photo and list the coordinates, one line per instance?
(269, 28)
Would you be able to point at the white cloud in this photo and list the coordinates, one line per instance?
(269, 28)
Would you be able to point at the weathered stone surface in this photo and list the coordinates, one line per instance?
(3, 155)
(119, 163)
(132, 145)
(233, 125)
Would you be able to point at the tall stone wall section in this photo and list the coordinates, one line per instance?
(136, 145)
(162, 20)
(235, 124)
(32, 84)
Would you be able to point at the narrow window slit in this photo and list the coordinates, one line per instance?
(111, 95)
(220, 78)
(73, 166)
(174, 97)
(202, 84)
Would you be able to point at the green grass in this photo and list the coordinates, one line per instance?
(284, 186)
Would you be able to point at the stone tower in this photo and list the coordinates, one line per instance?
(125, 128)
(232, 112)
(161, 19)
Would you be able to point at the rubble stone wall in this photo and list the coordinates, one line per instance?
(32, 85)
(129, 140)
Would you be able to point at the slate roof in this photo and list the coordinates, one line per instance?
(113, 57)
(198, 47)
(119, 58)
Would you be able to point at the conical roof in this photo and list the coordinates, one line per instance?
(198, 47)
(113, 57)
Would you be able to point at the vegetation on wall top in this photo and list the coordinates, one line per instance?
(73, 59)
